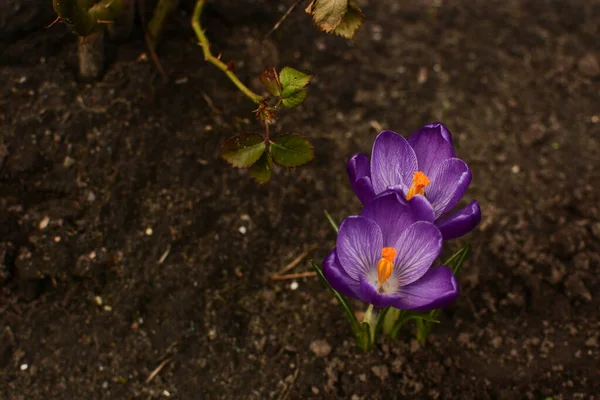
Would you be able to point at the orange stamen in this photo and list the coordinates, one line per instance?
(420, 180)
(385, 266)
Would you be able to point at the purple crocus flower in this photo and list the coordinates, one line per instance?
(384, 255)
(424, 165)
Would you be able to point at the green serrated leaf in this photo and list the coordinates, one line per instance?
(270, 80)
(327, 14)
(291, 150)
(293, 83)
(290, 77)
(294, 100)
(352, 20)
(262, 170)
(243, 150)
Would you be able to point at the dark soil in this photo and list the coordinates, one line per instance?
(101, 182)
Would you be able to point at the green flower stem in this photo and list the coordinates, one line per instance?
(421, 319)
(83, 19)
(390, 319)
(370, 318)
(163, 9)
(208, 56)
(424, 326)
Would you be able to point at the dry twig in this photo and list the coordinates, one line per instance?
(157, 370)
(294, 262)
(283, 17)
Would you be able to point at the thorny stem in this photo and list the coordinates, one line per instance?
(83, 19)
(90, 52)
(208, 56)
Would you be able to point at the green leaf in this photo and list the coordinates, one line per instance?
(293, 83)
(262, 170)
(345, 306)
(331, 222)
(455, 263)
(352, 20)
(295, 99)
(243, 150)
(291, 150)
(327, 14)
(381, 318)
(407, 316)
(391, 317)
(270, 80)
(360, 329)
(457, 259)
(290, 77)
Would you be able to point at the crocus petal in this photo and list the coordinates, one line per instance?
(443, 131)
(394, 214)
(370, 295)
(358, 166)
(393, 162)
(448, 183)
(359, 245)
(418, 246)
(432, 145)
(359, 172)
(338, 278)
(436, 289)
(364, 189)
(460, 222)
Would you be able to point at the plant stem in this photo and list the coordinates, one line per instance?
(371, 319)
(90, 52)
(84, 21)
(163, 9)
(208, 56)
(124, 22)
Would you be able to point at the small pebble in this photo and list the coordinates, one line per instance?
(294, 285)
(181, 81)
(24, 367)
(44, 222)
(212, 334)
(149, 231)
(242, 230)
(592, 342)
(380, 371)
(515, 169)
(68, 161)
(320, 347)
